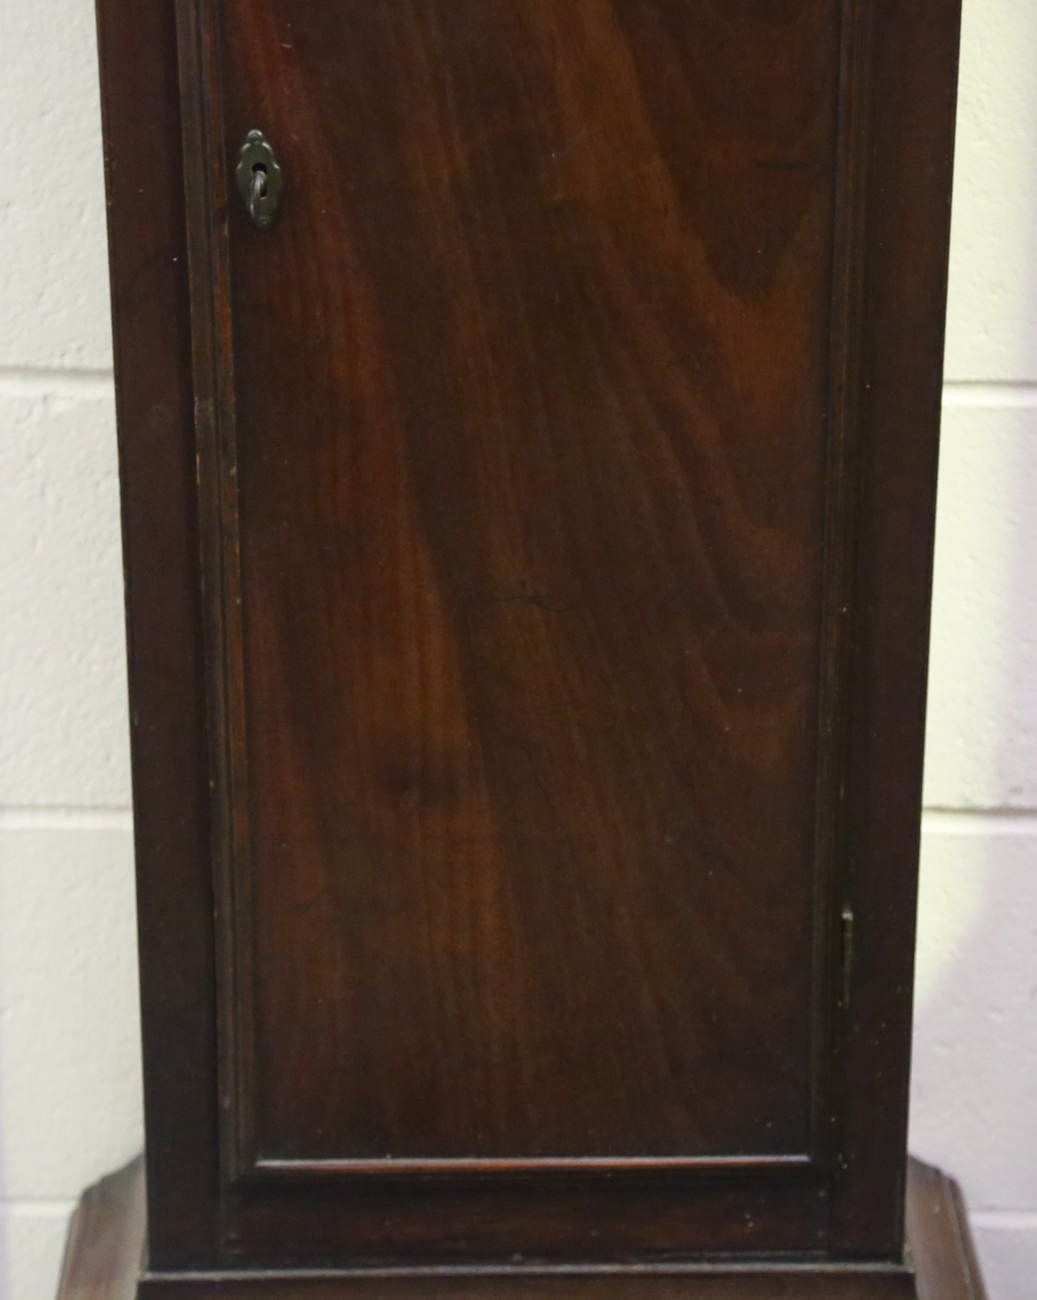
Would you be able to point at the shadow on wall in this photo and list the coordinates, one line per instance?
(974, 1083)
(70, 1092)
(974, 1078)
(6, 1289)
(975, 1050)
(975, 1059)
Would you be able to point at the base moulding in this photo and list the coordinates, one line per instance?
(105, 1250)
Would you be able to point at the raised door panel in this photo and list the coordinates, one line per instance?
(527, 457)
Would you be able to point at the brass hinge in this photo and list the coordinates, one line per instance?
(847, 947)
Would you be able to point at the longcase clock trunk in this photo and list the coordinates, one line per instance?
(529, 450)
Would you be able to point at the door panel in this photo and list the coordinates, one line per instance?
(531, 376)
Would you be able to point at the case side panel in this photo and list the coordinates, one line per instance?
(916, 51)
(151, 310)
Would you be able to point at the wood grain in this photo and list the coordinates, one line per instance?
(531, 380)
(608, 370)
(104, 1261)
(166, 639)
(104, 1252)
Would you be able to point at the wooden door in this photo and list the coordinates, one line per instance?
(535, 493)
(530, 383)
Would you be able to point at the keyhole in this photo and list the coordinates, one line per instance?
(259, 178)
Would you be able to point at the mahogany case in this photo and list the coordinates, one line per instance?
(528, 539)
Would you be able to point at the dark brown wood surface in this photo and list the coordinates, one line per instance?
(531, 378)
(104, 1251)
(104, 1261)
(151, 323)
(937, 1226)
(528, 632)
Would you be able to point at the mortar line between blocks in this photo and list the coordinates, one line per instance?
(33, 382)
(48, 818)
(979, 821)
(44, 381)
(962, 821)
(36, 1207)
(978, 393)
(1005, 1220)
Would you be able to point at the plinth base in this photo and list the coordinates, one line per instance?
(105, 1250)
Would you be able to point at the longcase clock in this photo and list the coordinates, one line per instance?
(528, 419)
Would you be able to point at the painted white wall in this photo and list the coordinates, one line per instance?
(69, 1056)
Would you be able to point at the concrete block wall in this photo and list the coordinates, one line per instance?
(69, 1054)
(974, 1088)
(69, 1043)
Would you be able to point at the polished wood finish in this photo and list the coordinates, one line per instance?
(938, 1237)
(529, 499)
(106, 1240)
(528, 545)
(104, 1251)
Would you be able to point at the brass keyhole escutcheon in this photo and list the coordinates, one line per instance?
(259, 178)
